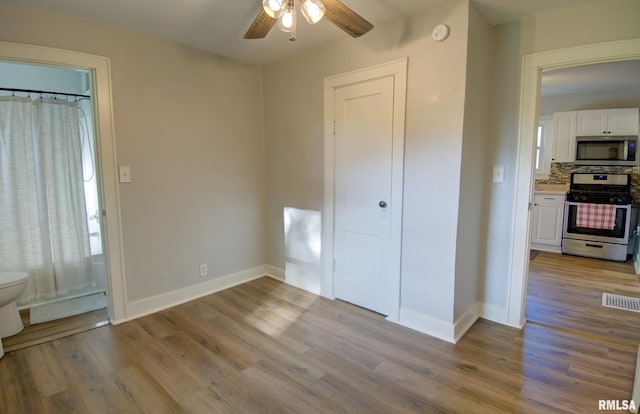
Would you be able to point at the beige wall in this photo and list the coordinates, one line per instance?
(293, 102)
(476, 173)
(600, 22)
(190, 126)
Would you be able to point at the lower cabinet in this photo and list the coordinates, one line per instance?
(546, 223)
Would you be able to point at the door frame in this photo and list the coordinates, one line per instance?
(398, 70)
(532, 66)
(100, 70)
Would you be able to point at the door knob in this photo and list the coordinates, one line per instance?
(382, 204)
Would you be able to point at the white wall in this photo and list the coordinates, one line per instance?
(599, 22)
(293, 102)
(190, 126)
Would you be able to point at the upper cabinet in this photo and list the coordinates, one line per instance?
(608, 122)
(564, 137)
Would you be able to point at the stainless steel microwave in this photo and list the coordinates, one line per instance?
(607, 150)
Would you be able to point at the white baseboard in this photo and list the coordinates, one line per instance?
(147, 306)
(495, 313)
(453, 332)
(427, 325)
(274, 272)
(303, 276)
(546, 248)
(492, 313)
(466, 321)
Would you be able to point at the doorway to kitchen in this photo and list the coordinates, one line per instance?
(565, 290)
(534, 65)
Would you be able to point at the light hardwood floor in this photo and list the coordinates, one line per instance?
(566, 292)
(48, 331)
(265, 347)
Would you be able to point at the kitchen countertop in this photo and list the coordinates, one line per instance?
(551, 189)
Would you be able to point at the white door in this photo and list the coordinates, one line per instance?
(364, 115)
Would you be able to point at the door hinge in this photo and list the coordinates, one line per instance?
(334, 127)
(334, 265)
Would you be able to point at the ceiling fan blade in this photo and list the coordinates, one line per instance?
(260, 26)
(345, 18)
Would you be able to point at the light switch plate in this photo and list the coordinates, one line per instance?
(498, 173)
(125, 173)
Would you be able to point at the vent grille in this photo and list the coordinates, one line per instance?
(621, 302)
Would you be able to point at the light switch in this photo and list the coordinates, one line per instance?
(498, 173)
(125, 173)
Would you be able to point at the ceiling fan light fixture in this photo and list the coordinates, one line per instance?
(274, 8)
(287, 21)
(313, 10)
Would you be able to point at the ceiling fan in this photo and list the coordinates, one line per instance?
(283, 12)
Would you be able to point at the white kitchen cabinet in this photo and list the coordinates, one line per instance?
(599, 122)
(547, 221)
(564, 136)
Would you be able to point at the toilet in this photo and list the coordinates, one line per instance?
(12, 284)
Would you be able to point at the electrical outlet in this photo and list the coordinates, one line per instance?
(203, 270)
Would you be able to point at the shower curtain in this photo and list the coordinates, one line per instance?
(43, 224)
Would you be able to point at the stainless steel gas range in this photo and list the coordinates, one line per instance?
(599, 219)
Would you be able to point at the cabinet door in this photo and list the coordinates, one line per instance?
(592, 123)
(564, 136)
(547, 223)
(622, 121)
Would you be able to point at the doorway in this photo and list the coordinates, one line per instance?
(99, 69)
(364, 154)
(56, 165)
(533, 66)
(565, 291)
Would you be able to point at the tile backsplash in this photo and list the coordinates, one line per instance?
(561, 174)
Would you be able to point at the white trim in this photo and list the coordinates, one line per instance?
(493, 313)
(398, 70)
(450, 332)
(532, 65)
(100, 68)
(546, 248)
(147, 306)
(427, 325)
(465, 321)
(274, 272)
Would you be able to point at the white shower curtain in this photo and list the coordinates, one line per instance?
(43, 224)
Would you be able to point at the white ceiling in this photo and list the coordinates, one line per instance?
(218, 26)
(609, 77)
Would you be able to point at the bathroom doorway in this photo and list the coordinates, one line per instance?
(53, 187)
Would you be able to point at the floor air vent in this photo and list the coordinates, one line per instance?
(621, 302)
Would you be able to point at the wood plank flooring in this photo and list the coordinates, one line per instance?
(566, 292)
(44, 332)
(266, 347)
